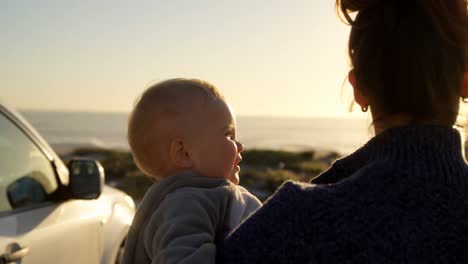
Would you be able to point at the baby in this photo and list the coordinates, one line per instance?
(183, 134)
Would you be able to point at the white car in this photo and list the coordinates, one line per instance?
(51, 213)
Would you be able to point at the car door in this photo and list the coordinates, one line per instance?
(35, 226)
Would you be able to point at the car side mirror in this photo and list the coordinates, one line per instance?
(86, 178)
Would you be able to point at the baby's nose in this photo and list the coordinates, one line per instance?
(240, 147)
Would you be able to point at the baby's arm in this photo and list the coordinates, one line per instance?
(183, 228)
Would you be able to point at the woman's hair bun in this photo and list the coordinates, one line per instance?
(346, 7)
(355, 5)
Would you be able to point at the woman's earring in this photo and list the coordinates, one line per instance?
(465, 99)
(364, 108)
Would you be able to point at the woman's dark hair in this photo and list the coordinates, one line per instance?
(409, 56)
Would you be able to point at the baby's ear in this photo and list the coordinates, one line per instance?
(179, 155)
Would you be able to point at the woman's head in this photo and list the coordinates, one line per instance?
(409, 57)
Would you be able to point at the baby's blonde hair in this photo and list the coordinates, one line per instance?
(150, 122)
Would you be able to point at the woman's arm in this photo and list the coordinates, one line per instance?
(279, 231)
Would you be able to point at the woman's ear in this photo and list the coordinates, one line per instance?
(352, 78)
(464, 88)
(358, 96)
(179, 155)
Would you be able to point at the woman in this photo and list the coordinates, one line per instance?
(402, 197)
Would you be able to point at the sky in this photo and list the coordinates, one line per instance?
(268, 57)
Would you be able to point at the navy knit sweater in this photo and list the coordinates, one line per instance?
(402, 198)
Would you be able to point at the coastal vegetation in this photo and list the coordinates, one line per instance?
(262, 171)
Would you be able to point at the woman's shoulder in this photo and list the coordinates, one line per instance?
(294, 188)
(287, 223)
(303, 197)
(328, 199)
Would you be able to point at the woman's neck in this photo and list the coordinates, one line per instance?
(382, 124)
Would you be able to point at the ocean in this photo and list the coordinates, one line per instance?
(68, 130)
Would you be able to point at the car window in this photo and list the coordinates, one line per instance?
(26, 175)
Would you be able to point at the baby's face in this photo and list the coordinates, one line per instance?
(215, 150)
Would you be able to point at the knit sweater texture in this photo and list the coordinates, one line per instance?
(401, 198)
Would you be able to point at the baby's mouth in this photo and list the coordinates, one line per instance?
(236, 167)
(238, 160)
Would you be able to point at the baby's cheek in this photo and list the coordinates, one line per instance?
(229, 157)
(234, 152)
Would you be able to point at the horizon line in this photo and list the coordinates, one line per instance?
(351, 115)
